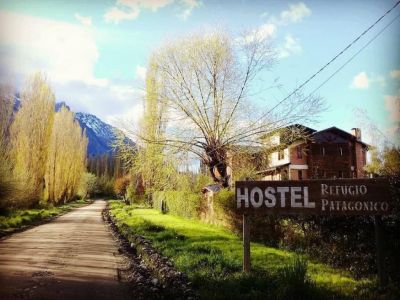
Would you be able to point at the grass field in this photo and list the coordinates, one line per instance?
(211, 257)
(17, 219)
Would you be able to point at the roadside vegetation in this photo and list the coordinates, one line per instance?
(17, 219)
(212, 258)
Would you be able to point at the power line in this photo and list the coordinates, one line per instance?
(334, 58)
(358, 52)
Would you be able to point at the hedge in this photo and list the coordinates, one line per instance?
(179, 203)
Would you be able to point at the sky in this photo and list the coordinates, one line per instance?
(95, 53)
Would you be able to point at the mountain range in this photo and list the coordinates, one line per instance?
(101, 136)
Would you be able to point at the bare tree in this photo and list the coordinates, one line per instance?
(205, 82)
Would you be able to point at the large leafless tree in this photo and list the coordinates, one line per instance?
(207, 82)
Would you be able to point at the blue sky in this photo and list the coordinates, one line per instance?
(95, 52)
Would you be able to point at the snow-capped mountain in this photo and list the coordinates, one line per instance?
(101, 135)
(61, 104)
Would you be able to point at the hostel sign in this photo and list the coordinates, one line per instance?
(318, 197)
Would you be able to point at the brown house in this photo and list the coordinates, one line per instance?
(329, 153)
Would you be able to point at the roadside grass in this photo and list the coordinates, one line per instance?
(212, 256)
(14, 220)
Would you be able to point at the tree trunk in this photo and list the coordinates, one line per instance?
(218, 166)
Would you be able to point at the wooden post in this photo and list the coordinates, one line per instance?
(380, 252)
(246, 243)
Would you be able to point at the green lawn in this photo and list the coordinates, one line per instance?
(20, 218)
(211, 257)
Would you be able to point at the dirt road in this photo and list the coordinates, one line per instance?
(74, 257)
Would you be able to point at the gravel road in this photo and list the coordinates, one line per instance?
(73, 257)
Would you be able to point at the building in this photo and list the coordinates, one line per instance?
(329, 153)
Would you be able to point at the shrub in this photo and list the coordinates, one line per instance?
(180, 203)
(225, 210)
(224, 200)
(88, 186)
(121, 185)
(201, 180)
(132, 197)
(138, 199)
(293, 281)
(105, 186)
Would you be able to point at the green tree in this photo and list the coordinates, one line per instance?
(385, 162)
(391, 162)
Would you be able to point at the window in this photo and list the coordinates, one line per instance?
(340, 174)
(341, 151)
(300, 174)
(281, 154)
(299, 153)
(323, 151)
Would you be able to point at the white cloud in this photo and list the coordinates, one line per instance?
(262, 33)
(122, 93)
(296, 13)
(67, 54)
(360, 81)
(266, 31)
(185, 14)
(127, 120)
(141, 72)
(395, 74)
(153, 5)
(64, 51)
(363, 81)
(117, 15)
(130, 9)
(392, 105)
(189, 6)
(291, 46)
(106, 102)
(86, 21)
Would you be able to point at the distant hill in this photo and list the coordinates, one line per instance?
(101, 135)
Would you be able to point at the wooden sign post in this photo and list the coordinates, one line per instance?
(246, 243)
(380, 252)
(318, 197)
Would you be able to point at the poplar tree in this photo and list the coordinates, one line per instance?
(67, 158)
(30, 137)
(154, 166)
(148, 160)
(7, 185)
